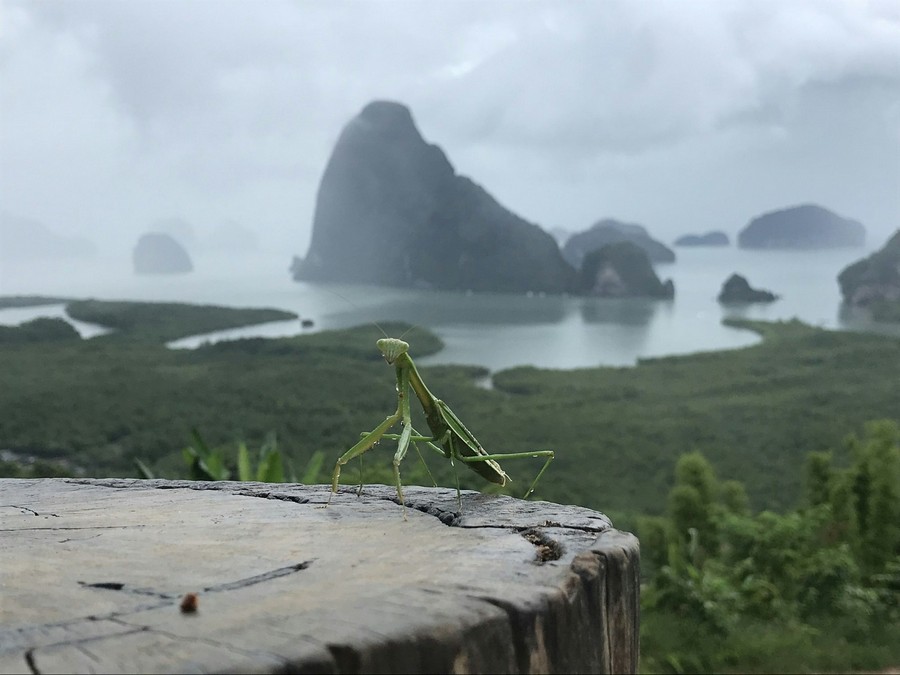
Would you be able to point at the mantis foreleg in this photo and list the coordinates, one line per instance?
(364, 444)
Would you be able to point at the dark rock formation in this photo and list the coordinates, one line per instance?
(42, 329)
(714, 238)
(736, 289)
(621, 269)
(611, 231)
(875, 281)
(802, 227)
(28, 239)
(158, 253)
(179, 229)
(391, 210)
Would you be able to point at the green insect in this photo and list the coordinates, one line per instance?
(448, 434)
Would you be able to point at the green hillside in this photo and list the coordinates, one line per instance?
(617, 432)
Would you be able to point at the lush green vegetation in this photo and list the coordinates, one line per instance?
(816, 589)
(38, 330)
(205, 463)
(167, 321)
(8, 301)
(754, 413)
(735, 570)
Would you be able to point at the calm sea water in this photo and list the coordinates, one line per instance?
(493, 330)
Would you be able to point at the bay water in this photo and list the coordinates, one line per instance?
(496, 331)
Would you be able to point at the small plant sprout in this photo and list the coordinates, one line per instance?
(449, 436)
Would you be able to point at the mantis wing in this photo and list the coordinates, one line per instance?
(464, 444)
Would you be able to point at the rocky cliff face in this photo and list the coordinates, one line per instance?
(609, 231)
(391, 210)
(621, 270)
(875, 281)
(802, 227)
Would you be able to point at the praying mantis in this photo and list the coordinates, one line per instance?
(449, 436)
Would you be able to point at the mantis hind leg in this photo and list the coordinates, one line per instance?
(424, 463)
(515, 455)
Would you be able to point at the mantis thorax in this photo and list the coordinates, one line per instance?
(392, 348)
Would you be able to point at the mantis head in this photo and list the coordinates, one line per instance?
(392, 348)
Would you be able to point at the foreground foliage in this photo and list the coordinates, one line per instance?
(811, 590)
(205, 463)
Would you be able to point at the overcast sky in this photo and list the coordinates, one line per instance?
(682, 116)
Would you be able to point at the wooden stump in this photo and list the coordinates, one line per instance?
(94, 576)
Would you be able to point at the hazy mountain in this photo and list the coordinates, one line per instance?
(391, 210)
(621, 269)
(713, 238)
(26, 238)
(160, 253)
(802, 227)
(610, 231)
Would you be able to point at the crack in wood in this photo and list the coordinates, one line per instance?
(29, 660)
(54, 529)
(25, 508)
(281, 496)
(119, 586)
(215, 588)
(259, 578)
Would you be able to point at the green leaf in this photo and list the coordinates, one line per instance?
(199, 443)
(270, 469)
(312, 468)
(214, 467)
(291, 474)
(143, 470)
(245, 471)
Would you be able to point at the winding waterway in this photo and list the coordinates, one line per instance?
(493, 330)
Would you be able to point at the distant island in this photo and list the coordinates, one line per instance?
(874, 281)
(391, 210)
(713, 238)
(160, 253)
(29, 239)
(621, 269)
(610, 231)
(737, 290)
(802, 227)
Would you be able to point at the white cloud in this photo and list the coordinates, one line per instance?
(117, 113)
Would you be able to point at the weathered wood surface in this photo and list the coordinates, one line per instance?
(93, 572)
